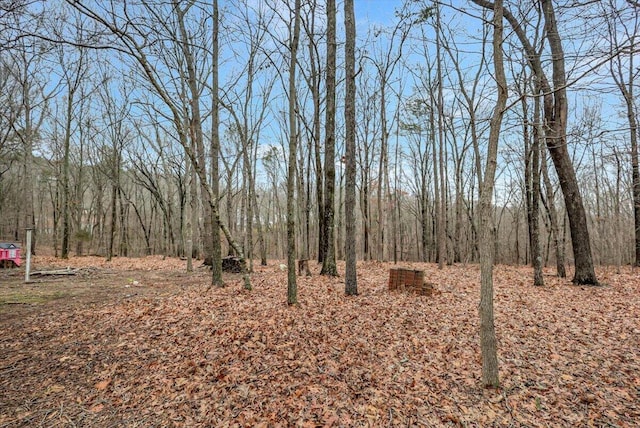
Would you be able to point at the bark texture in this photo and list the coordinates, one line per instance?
(351, 284)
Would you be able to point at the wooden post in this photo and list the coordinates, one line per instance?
(27, 269)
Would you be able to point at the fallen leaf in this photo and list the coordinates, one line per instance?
(97, 408)
(102, 385)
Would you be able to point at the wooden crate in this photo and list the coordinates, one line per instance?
(410, 280)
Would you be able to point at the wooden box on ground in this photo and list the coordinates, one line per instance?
(409, 279)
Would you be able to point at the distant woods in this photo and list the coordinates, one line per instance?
(141, 130)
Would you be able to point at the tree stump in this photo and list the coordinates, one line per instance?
(303, 265)
(231, 264)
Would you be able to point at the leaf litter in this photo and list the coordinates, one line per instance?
(227, 357)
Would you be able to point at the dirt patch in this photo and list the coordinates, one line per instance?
(92, 281)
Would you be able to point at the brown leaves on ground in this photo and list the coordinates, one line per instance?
(227, 357)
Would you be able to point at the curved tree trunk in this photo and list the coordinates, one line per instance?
(555, 113)
(555, 119)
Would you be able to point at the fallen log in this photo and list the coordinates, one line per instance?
(67, 271)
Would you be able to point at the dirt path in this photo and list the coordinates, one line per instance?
(93, 282)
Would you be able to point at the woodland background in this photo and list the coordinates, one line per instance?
(93, 146)
(418, 131)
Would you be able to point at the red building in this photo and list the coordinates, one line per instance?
(9, 255)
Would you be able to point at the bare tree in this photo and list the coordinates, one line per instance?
(624, 73)
(351, 284)
(292, 288)
(532, 178)
(488, 343)
(313, 78)
(216, 251)
(130, 37)
(385, 60)
(247, 101)
(74, 65)
(26, 64)
(328, 236)
(555, 117)
(439, 177)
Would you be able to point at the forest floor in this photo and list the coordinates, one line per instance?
(141, 343)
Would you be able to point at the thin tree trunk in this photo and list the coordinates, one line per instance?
(436, 183)
(558, 241)
(315, 93)
(441, 210)
(292, 288)
(532, 185)
(261, 241)
(536, 256)
(191, 216)
(27, 140)
(124, 238)
(216, 250)
(488, 341)
(66, 224)
(351, 284)
(329, 253)
(112, 229)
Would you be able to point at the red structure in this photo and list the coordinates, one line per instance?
(9, 255)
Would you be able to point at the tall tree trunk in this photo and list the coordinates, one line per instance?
(488, 341)
(261, 241)
(441, 209)
(248, 203)
(191, 214)
(292, 288)
(424, 217)
(457, 248)
(216, 250)
(196, 133)
(124, 235)
(66, 190)
(555, 113)
(366, 210)
(380, 256)
(436, 182)
(78, 192)
(618, 229)
(329, 261)
(536, 256)
(112, 229)
(532, 186)
(558, 240)
(315, 94)
(351, 283)
(27, 140)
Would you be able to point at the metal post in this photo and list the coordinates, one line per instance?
(27, 269)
